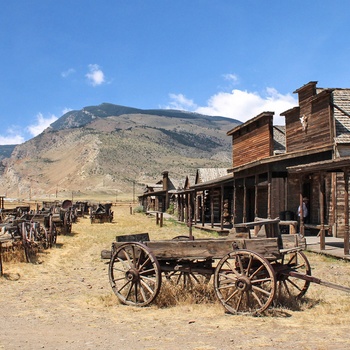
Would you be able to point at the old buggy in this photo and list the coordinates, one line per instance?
(249, 272)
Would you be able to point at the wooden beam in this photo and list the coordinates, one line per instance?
(346, 211)
(222, 207)
(212, 207)
(244, 200)
(301, 214)
(321, 194)
(269, 197)
(256, 213)
(234, 203)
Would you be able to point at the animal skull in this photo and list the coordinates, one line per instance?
(303, 120)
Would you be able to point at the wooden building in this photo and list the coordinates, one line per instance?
(275, 167)
(159, 196)
(208, 199)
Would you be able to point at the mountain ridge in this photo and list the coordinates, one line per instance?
(93, 151)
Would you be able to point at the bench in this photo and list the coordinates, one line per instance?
(317, 227)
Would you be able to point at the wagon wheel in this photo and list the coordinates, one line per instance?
(52, 232)
(134, 274)
(244, 282)
(44, 237)
(288, 286)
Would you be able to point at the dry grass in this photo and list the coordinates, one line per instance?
(74, 276)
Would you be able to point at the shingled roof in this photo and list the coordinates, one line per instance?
(279, 139)
(208, 174)
(341, 107)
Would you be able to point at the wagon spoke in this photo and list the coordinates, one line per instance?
(256, 271)
(287, 288)
(147, 271)
(249, 264)
(235, 292)
(261, 280)
(292, 283)
(123, 286)
(144, 263)
(136, 284)
(232, 268)
(129, 291)
(238, 257)
(127, 256)
(239, 302)
(143, 293)
(261, 290)
(227, 282)
(257, 299)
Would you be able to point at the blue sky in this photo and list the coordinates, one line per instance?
(234, 58)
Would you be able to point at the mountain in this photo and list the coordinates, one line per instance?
(6, 151)
(111, 149)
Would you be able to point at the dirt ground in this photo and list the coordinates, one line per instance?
(65, 302)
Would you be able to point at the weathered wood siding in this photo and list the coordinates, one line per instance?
(293, 195)
(277, 197)
(320, 128)
(339, 212)
(252, 143)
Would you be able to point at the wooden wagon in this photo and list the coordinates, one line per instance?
(249, 273)
(102, 213)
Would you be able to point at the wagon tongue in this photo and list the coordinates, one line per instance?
(318, 281)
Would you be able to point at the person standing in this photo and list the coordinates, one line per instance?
(305, 211)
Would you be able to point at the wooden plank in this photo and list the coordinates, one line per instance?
(138, 237)
(267, 247)
(197, 249)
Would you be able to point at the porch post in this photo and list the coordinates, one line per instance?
(269, 194)
(321, 193)
(195, 207)
(203, 207)
(301, 214)
(346, 211)
(222, 208)
(256, 196)
(234, 203)
(244, 200)
(212, 207)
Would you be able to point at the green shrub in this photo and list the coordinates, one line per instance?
(139, 209)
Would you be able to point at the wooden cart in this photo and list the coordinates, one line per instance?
(248, 273)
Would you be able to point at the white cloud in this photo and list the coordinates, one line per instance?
(240, 104)
(232, 78)
(95, 75)
(179, 101)
(66, 110)
(68, 72)
(11, 140)
(41, 124)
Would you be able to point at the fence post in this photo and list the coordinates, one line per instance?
(161, 220)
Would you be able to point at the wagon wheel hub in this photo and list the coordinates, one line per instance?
(132, 275)
(243, 283)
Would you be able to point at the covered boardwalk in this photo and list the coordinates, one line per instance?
(329, 198)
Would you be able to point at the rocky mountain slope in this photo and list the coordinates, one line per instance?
(110, 148)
